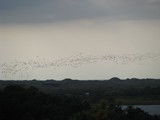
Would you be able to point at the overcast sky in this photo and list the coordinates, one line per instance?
(49, 11)
(52, 30)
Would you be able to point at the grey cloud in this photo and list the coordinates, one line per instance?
(40, 11)
(7, 5)
(154, 2)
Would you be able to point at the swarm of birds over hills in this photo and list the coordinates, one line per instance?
(16, 66)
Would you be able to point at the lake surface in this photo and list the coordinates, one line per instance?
(151, 109)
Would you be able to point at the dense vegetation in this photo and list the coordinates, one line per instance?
(18, 103)
(28, 103)
(129, 91)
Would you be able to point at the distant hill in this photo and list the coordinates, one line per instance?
(115, 79)
(85, 84)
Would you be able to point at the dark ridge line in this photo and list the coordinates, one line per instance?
(114, 79)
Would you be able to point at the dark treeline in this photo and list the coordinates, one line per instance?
(28, 103)
(129, 91)
(18, 103)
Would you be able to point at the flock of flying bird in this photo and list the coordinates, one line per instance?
(17, 66)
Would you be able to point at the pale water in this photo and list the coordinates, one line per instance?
(151, 109)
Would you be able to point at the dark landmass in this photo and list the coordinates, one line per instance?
(29, 103)
(129, 91)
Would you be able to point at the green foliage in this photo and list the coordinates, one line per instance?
(103, 111)
(20, 103)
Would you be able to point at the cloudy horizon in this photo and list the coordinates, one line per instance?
(47, 33)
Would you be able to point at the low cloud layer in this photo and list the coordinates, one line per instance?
(40, 11)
